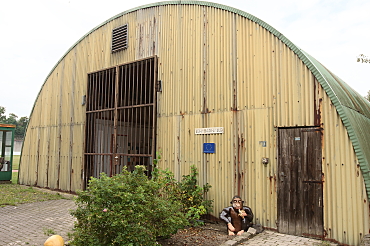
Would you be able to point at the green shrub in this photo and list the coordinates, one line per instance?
(192, 197)
(126, 209)
(187, 192)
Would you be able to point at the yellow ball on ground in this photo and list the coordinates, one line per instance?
(54, 240)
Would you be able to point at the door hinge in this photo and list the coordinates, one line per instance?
(159, 86)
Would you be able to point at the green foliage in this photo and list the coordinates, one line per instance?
(20, 128)
(194, 214)
(367, 97)
(126, 209)
(192, 196)
(48, 231)
(20, 124)
(187, 192)
(2, 114)
(132, 209)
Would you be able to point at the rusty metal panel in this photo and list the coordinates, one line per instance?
(53, 156)
(64, 172)
(195, 83)
(221, 58)
(146, 32)
(166, 142)
(177, 145)
(219, 167)
(346, 207)
(42, 167)
(257, 140)
(181, 67)
(181, 148)
(271, 75)
(26, 170)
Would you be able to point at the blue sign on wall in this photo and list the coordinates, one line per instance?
(209, 148)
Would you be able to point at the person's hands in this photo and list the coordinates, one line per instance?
(240, 232)
(244, 214)
(230, 227)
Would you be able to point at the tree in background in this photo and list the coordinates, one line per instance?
(363, 59)
(368, 96)
(20, 124)
(2, 114)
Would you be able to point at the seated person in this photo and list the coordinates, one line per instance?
(237, 217)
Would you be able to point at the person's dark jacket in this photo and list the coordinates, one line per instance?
(245, 223)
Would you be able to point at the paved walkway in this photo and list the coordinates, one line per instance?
(29, 224)
(270, 238)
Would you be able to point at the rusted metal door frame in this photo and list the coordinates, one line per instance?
(124, 95)
(300, 182)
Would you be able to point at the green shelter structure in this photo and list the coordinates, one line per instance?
(6, 152)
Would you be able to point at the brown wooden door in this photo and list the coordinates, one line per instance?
(300, 186)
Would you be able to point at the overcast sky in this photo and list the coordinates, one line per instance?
(35, 34)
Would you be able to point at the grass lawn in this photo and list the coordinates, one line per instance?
(15, 165)
(14, 177)
(13, 194)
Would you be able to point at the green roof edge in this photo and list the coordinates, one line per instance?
(300, 53)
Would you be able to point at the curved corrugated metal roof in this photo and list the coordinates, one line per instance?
(352, 108)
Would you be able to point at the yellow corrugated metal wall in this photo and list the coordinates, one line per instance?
(52, 155)
(346, 207)
(274, 89)
(218, 69)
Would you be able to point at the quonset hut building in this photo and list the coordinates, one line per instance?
(215, 87)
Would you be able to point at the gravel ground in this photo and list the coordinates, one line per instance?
(210, 234)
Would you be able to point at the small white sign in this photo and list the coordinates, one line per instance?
(211, 130)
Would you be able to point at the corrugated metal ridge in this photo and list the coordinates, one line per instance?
(349, 121)
(202, 3)
(311, 63)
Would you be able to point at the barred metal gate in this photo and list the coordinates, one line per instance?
(120, 118)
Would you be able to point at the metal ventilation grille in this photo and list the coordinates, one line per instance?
(119, 38)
